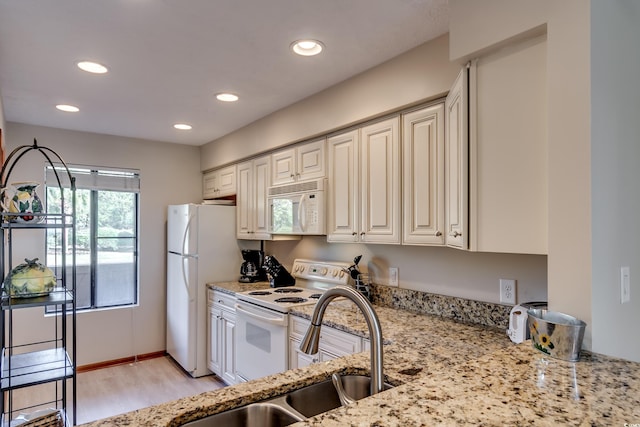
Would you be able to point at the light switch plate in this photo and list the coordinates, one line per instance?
(393, 276)
(625, 285)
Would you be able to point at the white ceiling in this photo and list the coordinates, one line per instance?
(168, 58)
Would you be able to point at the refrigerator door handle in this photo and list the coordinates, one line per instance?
(185, 279)
(185, 237)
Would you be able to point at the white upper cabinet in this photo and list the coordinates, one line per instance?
(300, 163)
(252, 217)
(509, 150)
(364, 183)
(343, 207)
(219, 183)
(423, 176)
(457, 163)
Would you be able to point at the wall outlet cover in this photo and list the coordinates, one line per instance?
(507, 291)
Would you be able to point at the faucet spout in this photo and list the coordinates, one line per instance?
(310, 341)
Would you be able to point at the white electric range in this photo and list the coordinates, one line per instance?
(262, 319)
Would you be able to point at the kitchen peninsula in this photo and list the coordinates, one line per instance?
(445, 373)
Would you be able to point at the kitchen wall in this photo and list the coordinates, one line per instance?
(2, 122)
(437, 270)
(420, 74)
(169, 174)
(592, 136)
(614, 173)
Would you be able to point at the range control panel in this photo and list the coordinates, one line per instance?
(322, 271)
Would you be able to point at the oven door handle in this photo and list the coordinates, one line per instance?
(280, 321)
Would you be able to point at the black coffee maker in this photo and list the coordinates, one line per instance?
(251, 269)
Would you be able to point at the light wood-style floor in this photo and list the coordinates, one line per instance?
(123, 388)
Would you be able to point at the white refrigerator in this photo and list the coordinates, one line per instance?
(201, 248)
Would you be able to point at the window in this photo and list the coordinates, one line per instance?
(106, 243)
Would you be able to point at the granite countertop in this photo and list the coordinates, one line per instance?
(445, 373)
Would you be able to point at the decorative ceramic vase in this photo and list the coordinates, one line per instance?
(30, 279)
(25, 202)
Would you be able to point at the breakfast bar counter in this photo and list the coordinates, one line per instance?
(444, 372)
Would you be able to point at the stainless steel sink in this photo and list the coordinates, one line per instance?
(290, 407)
(322, 397)
(262, 414)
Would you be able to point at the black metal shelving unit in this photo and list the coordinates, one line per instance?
(50, 362)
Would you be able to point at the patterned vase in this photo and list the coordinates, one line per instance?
(26, 202)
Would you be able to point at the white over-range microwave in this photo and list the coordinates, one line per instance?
(297, 208)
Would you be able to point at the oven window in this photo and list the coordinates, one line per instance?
(259, 337)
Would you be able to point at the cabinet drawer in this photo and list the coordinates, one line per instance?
(221, 300)
(339, 342)
(298, 327)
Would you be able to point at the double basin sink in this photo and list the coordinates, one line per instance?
(291, 407)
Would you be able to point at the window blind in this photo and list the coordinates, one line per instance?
(96, 178)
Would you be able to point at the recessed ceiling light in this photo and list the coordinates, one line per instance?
(227, 97)
(307, 47)
(92, 67)
(182, 126)
(67, 108)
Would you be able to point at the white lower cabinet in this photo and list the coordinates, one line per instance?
(333, 344)
(221, 327)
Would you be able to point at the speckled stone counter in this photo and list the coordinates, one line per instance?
(445, 373)
(232, 288)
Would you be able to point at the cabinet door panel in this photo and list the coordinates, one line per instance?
(423, 167)
(215, 341)
(284, 167)
(380, 177)
(209, 185)
(457, 161)
(343, 207)
(229, 357)
(261, 170)
(311, 160)
(244, 202)
(227, 181)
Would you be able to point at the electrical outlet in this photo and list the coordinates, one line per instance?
(393, 276)
(625, 285)
(507, 291)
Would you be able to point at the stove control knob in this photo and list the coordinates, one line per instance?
(334, 273)
(341, 274)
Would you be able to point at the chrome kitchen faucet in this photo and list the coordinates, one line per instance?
(310, 341)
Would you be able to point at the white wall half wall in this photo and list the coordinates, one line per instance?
(170, 174)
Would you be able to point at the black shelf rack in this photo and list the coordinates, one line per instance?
(50, 361)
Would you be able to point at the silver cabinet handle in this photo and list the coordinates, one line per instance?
(438, 233)
(354, 234)
(362, 233)
(455, 234)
